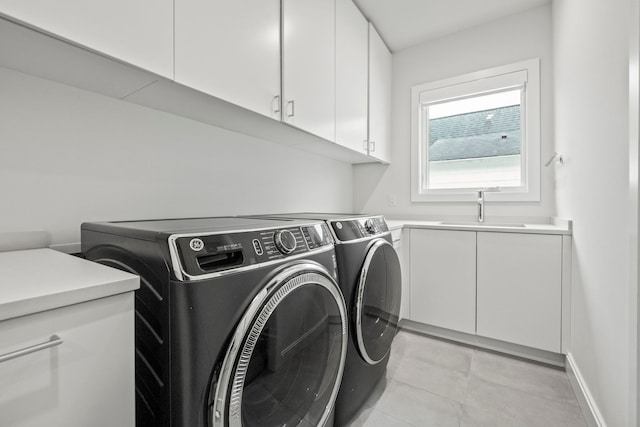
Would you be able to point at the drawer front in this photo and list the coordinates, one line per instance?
(87, 379)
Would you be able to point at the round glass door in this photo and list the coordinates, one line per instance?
(377, 302)
(285, 362)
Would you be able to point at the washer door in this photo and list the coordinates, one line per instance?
(285, 361)
(377, 303)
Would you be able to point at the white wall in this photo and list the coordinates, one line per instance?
(517, 38)
(591, 105)
(68, 156)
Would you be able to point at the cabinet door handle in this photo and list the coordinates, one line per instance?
(291, 108)
(53, 341)
(365, 145)
(276, 104)
(372, 146)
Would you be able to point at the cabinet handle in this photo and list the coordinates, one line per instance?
(291, 111)
(372, 146)
(53, 341)
(276, 104)
(365, 145)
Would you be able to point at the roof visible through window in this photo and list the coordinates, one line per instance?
(487, 133)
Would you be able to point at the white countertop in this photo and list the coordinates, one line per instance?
(36, 280)
(557, 227)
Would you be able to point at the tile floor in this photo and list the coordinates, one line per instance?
(434, 383)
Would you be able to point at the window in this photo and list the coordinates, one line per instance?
(478, 131)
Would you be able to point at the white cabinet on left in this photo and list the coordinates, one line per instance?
(87, 380)
(231, 50)
(66, 342)
(138, 32)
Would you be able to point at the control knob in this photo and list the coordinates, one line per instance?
(285, 241)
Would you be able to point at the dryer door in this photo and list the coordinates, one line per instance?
(377, 303)
(285, 361)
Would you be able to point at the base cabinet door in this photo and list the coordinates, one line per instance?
(519, 289)
(83, 373)
(443, 278)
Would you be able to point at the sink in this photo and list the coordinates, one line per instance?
(483, 224)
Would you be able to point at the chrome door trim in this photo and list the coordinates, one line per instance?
(251, 325)
(361, 239)
(360, 300)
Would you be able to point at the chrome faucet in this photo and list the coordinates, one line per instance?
(480, 201)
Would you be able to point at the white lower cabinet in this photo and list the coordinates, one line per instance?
(519, 289)
(87, 380)
(501, 286)
(405, 299)
(443, 278)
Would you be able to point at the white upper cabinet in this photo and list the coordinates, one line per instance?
(379, 97)
(138, 32)
(308, 73)
(351, 76)
(230, 49)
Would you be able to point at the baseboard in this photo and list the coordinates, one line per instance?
(532, 354)
(590, 410)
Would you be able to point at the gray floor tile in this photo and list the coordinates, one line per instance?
(495, 405)
(408, 346)
(521, 375)
(445, 383)
(377, 393)
(434, 383)
(369, 417)
(416, 406)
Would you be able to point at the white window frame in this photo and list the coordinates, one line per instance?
(525, 74)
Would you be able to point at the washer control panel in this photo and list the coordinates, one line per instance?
(358, 228)
(210, 253)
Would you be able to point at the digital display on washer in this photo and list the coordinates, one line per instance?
(316, 236)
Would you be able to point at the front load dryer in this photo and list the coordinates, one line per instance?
(370, 279)
(239, 322)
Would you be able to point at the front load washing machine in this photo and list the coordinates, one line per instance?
(370, 279)
(239, 322)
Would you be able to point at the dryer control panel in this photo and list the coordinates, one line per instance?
(358, 228)
(206, 254)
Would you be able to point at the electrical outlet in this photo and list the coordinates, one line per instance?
(393, 200)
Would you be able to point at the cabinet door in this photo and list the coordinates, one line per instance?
(138, 32)
(309, 66)
(443, 278)
(379, 97)
(231, 50)
(87, 380)
(351, 76)
(405, 299)
(519, 288)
